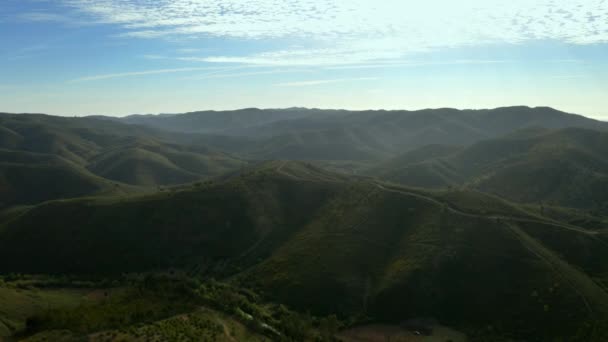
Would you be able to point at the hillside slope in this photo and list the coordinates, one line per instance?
(30, 178)
(329, 243)
(44, 157)
(567, 167)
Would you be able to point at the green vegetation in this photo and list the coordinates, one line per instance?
(137, 230)
(162, 307)
(567, 167)
(17, 304)
(44, 158)
(333, 245)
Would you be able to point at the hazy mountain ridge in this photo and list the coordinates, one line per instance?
(309, 134)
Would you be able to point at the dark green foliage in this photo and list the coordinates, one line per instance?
(179, 308)
(333, 245)
(186, 229)
(144, 300)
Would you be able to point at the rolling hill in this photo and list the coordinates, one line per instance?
(565, 167)
(335, 244)
(44, 157)
(30, 178)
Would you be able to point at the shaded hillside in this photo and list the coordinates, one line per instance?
(313, 134)
(45, 157)
(29, 178)
(329, 243)
(75, 139)
(152, 163)
(567, 167)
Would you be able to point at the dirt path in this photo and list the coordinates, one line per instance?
(577, 280)
(491, 217)
(226, 330)
(403, 191)
(584, 286)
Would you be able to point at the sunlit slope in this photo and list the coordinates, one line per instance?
(566, 167)
(152, 163)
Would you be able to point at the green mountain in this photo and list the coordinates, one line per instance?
(329, 243)
(44, 157)
(29, 178)
(566, 167)
(152, 163)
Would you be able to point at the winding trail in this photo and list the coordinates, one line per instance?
(454, 210)
(226, 330)
(576, 280)
(448, 206)
(588, 290)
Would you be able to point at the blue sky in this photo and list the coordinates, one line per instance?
(116, 57)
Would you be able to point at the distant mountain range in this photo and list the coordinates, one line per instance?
(311, 134)
(101, 155)
(493, 222)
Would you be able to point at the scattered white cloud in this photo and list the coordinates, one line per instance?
(351, 31)
(154, 57)
(320, 82)
(413, 64)
(187, 50)
(569, 77)
(243, 74)
(45, 16)
(142, 73)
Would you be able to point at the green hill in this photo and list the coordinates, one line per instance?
(565, 167)
(334, 244)
(44, 157)
(30, 178)
(152, 163)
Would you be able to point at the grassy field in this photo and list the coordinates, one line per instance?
(154, 307)
(16, 305)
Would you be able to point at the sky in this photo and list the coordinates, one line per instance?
(119, 57)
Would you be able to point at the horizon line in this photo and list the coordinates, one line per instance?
(119, 116)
